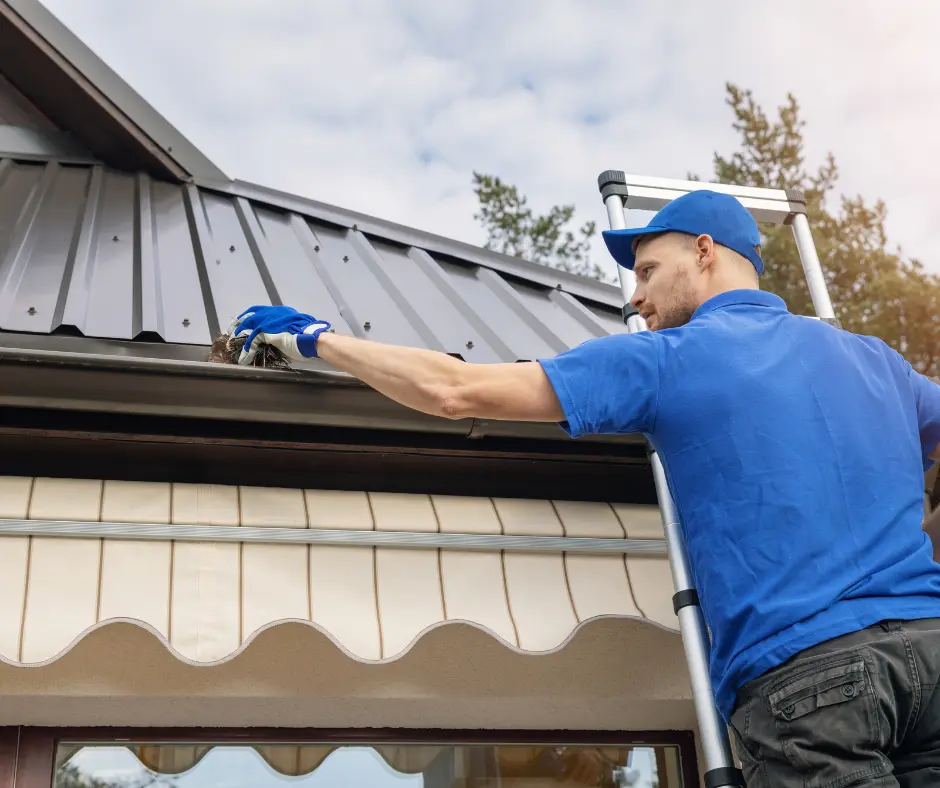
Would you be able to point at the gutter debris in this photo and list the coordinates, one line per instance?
(226, 349)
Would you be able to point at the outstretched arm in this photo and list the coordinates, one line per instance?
(603, 386)
(441, 385)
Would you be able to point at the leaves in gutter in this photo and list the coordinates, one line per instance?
(226, 350)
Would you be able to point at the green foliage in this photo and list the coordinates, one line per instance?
(874, 290)
(512, 228)
(70, 776)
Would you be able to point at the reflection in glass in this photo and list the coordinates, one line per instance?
(206, 765)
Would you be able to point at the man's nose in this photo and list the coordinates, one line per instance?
(637, 298)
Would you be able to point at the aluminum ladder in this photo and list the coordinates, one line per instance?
(774, 206)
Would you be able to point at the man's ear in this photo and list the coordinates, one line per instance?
(706, 252)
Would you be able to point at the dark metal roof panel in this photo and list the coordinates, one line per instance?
(98, 253)
(581, 286)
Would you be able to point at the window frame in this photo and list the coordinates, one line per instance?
(27, 754)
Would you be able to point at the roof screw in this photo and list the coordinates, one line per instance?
(367, 326)
(558, 286)
(316, 248)
(186, 322)
(218, 262)
(31, 310)
(356, 227)
(169, 148)
(345, 258)
(115, 238)
(470, 345)
(232, 248)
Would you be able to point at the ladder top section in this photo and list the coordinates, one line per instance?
(773, 206)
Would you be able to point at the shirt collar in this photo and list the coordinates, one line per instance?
(742, 297)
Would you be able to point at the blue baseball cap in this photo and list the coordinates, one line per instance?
(699, 212)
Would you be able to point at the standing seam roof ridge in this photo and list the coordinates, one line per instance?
(579, 312)
(505, 292)
(148, 291)
(310, 243)
(22, 238)
(72, 307)
(371, 258)
(139, 258)
(19, 238)
(441, 280)
(258, 246)
(199, 232)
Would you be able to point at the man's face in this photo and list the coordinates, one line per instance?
(666, 274)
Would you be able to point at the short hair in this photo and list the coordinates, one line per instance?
(640, 239)
(690, 241)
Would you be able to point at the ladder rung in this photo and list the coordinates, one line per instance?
(775, 206)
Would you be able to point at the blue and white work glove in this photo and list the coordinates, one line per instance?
(293, 333)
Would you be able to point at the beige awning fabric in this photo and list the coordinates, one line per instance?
(208, 601)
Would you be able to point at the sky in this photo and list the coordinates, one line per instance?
(388, 106)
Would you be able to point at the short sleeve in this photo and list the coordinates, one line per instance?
(927, 397)
(608, 385)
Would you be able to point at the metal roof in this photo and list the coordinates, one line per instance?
(111, 256)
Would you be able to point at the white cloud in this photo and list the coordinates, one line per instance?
(387, 106)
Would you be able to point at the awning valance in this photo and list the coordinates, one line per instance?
(207, 600)
(296, 760)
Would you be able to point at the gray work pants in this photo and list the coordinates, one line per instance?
(858, 711)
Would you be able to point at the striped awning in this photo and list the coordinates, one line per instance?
(206, 600)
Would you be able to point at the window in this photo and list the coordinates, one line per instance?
(142, 764)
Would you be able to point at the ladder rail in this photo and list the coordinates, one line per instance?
(719, 761)
(639, 192)
(812, 268)
(716, 747)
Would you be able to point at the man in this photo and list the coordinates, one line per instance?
(795, 453)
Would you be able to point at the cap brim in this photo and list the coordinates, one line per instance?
(620, 243)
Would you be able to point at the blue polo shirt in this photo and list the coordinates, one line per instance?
(795, 453)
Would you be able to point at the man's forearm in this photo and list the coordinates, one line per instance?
(418, 379)
(441, 385)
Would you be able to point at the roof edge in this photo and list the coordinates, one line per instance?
(116, 384)
(143, 122)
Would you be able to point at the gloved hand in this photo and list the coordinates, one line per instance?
(293, 333)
